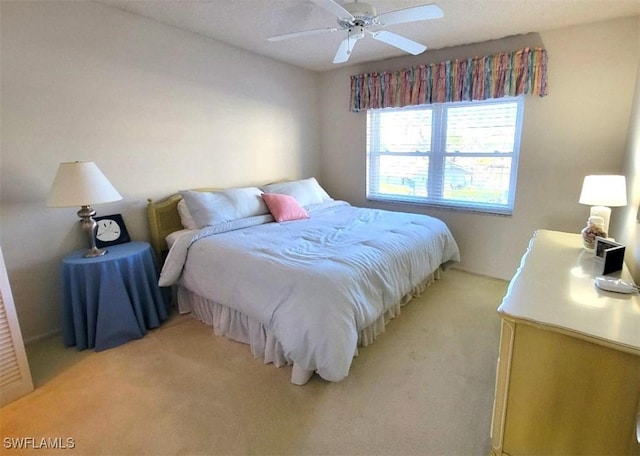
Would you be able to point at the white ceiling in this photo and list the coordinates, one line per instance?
(248, 23)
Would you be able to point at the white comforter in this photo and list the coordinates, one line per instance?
(314, 283)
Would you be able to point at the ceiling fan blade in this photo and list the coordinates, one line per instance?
(400, 42)
(335, 8)
(345, 49)
(286, 36)
(416, 13)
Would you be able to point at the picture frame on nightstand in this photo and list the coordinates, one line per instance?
(610, 254)
(111, 231)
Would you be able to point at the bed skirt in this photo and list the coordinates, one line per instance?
(239, 327)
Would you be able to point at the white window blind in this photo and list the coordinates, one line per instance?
(462, 155)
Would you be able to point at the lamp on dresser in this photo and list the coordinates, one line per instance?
(602, 192)
(83, 184)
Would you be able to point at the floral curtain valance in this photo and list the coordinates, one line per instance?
(522, 72)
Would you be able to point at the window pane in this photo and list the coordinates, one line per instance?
(484, 128)
(458, 155)
(403, 175)
(405, 131)
(483, 180)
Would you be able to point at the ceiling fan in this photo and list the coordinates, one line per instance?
(359, 18)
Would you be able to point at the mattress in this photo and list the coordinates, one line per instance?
(313, 284)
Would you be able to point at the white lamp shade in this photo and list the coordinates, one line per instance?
(601, 190)
(81, 184)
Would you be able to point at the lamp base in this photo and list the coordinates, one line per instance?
(90, 226)
(593, 230)
(95, 252)
(604, 212)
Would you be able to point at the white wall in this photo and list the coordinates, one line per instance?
(628, 230)
(156, 108)
(580, 128)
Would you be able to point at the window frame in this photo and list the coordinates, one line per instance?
(437, 156)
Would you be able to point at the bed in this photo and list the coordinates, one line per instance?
(303, 279)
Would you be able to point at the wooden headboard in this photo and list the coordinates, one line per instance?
(164, 219)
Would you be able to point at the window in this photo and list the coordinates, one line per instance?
(460, 155)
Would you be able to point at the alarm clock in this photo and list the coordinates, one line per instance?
(111, 231)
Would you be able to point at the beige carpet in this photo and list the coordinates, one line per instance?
(425, 387)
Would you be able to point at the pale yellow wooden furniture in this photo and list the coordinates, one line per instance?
(568, 374)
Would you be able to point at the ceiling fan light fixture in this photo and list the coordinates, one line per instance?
(356, 32)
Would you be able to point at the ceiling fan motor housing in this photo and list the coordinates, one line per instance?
(363, 15)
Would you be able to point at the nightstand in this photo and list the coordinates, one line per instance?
(112, 299)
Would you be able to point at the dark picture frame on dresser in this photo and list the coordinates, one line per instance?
(610, 254)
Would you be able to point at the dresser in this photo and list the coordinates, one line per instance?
(568, 372)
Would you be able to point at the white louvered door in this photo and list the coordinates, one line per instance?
(15, 377)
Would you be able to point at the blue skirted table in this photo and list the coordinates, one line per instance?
(112, 299)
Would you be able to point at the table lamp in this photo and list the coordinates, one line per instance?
(82, 184)
(601, 192)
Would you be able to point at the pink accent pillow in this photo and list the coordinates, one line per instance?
(284, 207)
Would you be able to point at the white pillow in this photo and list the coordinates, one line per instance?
(305, 191)
(173, 237)
(185, 216)
(209, 208)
